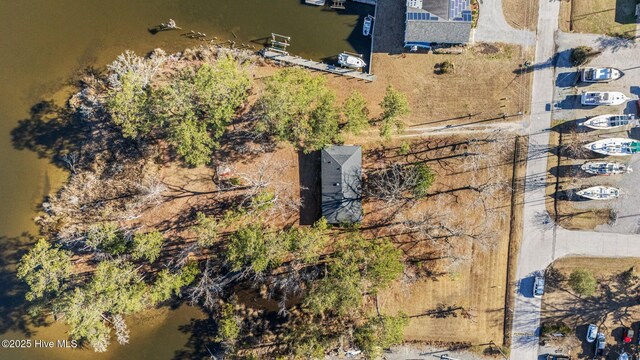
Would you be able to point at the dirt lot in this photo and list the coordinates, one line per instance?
(614, 305)
(521, 13)
(459, 298)
(608, 17)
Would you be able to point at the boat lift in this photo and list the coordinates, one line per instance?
(279, 43)
(338, 4)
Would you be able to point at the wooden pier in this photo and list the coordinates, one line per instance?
(284, 57)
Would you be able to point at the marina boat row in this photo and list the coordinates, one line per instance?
(615, 147)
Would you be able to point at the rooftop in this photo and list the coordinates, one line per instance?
(437, 21)
(341, 171)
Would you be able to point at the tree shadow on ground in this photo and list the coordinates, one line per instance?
(614, 43)
(569, 171)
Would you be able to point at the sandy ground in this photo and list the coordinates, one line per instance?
(612, 306)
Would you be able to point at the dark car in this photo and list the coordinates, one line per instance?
(601, 343)
(627, 335)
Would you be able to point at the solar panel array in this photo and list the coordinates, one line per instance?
(466, 15)
(459, 10)
(421, 16)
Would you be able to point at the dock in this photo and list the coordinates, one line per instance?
(284, 57)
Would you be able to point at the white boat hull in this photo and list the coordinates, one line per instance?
(609, 121)
(606, 98)
(615, 147)
(351, 61)
(605, 168)
(600, 75)
(599, 193)
(366, 27)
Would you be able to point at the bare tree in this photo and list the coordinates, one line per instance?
(488, 151)
(575, 146)
(121, 329)
(395, 183)
(208, 289)
(129, 63)
(264, 191)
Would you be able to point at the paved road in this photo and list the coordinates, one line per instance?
(492, 27)
(542, 245)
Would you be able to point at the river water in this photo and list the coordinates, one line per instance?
(42, 44)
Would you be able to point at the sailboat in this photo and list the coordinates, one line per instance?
(605, 168)
(609, 121)
(599, 193)
(615, 146)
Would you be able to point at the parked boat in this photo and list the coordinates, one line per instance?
(599, 193)
(605, 168)
(595, 98)
(351, 61)
(366, 27)
(314, 2)
(615, 147)
(609, 121)
(600, 75)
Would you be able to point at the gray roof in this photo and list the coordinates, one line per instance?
(341, 172)
(444, 32)
(436, 7)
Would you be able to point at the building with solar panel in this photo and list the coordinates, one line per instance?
(434, 22)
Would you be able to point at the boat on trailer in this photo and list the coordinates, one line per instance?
(351, 61)
(599, 193)
(609, 121)
(596, 98)
(615, 147)
(600, 75)
(366, 27)
(605, 168)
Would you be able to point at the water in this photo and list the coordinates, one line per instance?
(43, 43)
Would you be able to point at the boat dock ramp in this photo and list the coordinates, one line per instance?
(315, 65)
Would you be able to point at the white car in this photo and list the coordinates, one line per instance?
(592, 332)
(538, 286)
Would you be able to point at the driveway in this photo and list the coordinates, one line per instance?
(492, 27)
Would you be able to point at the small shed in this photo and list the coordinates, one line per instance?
(341, 174)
